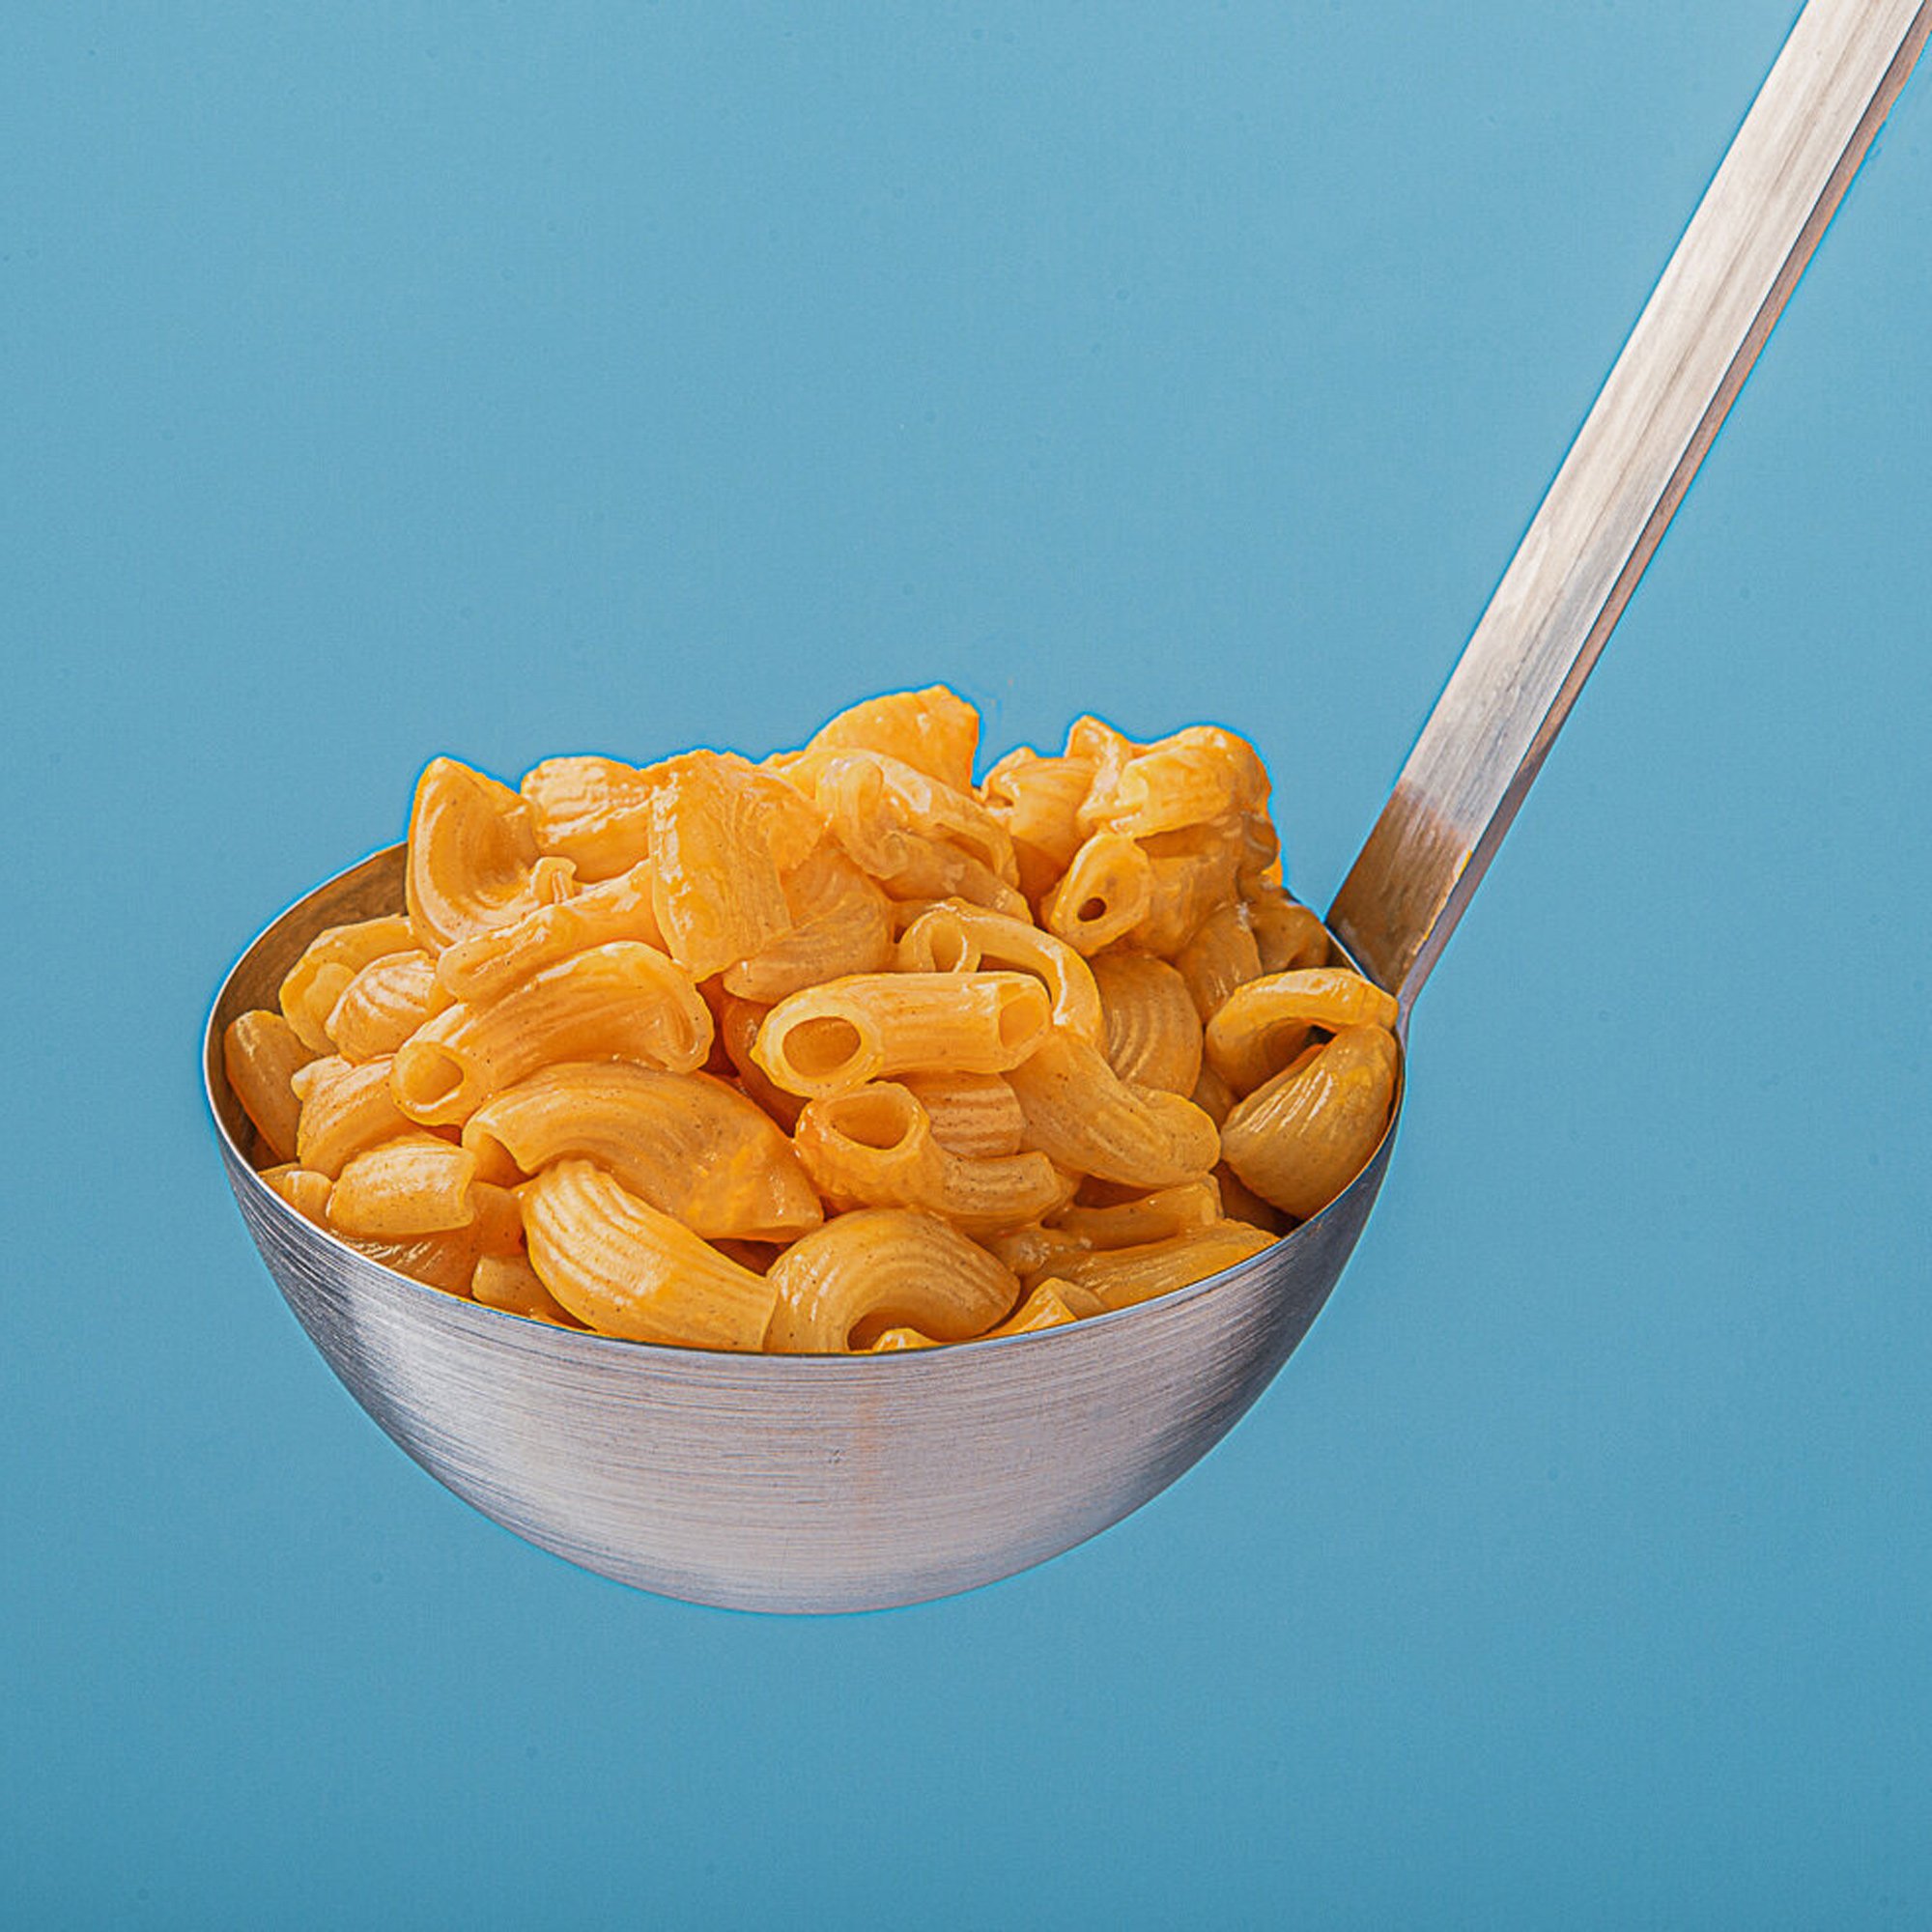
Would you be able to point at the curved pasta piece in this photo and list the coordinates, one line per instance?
(1300, 1140)
(1262, 1024)
(1085, 1118)
(874, 1148)
(304, 1191)
(345, 1109)
(1152, 1032)
(486, 966)
(738, 1024)
(623, 1000)
(386, 1002)
(722, 834)
(260, 1053)
(1105, 749)
(935, 731)
(1152, 1218)
(918, 837)
(881, 1268)
(1122, 1277)
(831, 1039)
(417, 1184)
(596, 812)
(1240, 1203)
(1033, 1252)
(956, 936)
(446, 1261)
(510, 1283)
(499, 1216)
(683, 1142)
(1050, 1304)
(1190, 875)
(1104, 893)
(329, 963)
(1168, 788)
(470, 854)
(972, 1114)
(1039, 801)
(622, 1269)
(1287, 936)
(840, 924)
(1219, 955)
(1213, 1095)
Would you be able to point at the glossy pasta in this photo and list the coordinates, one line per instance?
(839, 1052)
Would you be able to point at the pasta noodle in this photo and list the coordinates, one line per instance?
(831, 1039)
(687, 1144)
(840, 1052)
(1153, 1032)
(881, 1268)
(623, 1268)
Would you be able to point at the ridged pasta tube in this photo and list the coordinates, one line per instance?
(417, 1184)
(683, 1142)
(510, 1283)
(345, 1108)
(874, 1148)
(1105, 892)
(956, 936)
(1153, 1032)
(485, 967)
(1039, 801)
(1082, 1115)
(934, 731)
(1152, 1217)
(1219, 955)
(596, 812)
(977, 1114)
(1262, 1024)
(329, 963)
(831, 1039)
(1123, 1277)
(260, 1053)
(723, 835)
(622, 1269)
(383, 1003)
(840, 924)
(881, 1268)
(1301, 1138)
(623, 1000)
(470, 855)
(1288, 935)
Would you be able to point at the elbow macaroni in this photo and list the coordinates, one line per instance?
(836, 1053)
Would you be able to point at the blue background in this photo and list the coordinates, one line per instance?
(508, 379)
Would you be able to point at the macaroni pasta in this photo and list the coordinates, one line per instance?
(840, 1052)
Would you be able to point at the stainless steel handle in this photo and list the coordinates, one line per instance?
(1723, 288)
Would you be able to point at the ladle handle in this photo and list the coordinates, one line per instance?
(1773, 197)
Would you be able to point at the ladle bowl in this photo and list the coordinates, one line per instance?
(809, 1483)
(776, 1482)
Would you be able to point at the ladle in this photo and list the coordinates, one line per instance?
(843, 1482)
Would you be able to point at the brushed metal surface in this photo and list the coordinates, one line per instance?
(776, 1482)
(1626, 473)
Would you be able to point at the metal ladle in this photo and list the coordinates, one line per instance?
(844, 1483)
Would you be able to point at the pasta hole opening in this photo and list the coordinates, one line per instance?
(823, 1047)
(950, 950)
(428, 1080)
(883, 1121)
